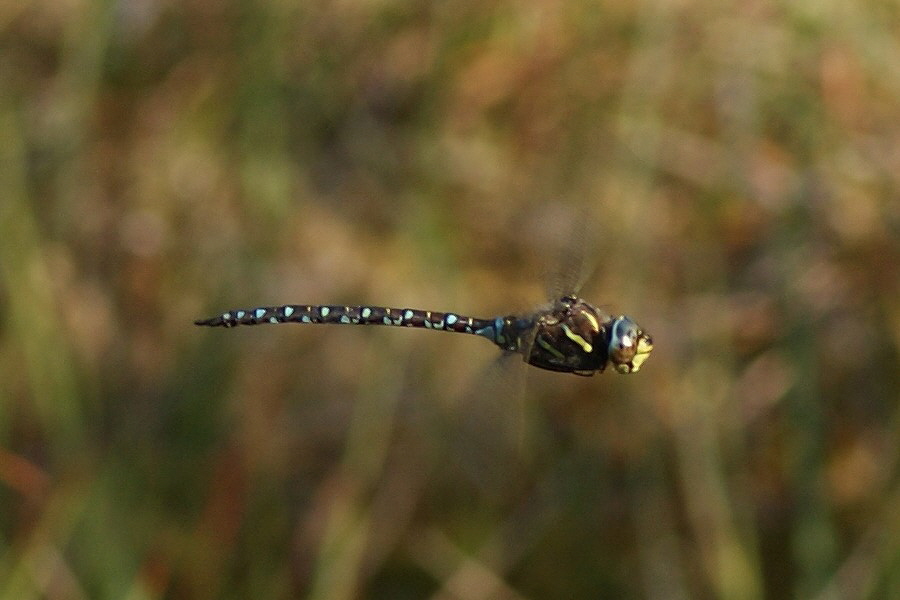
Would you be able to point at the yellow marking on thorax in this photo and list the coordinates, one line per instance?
(585, 345)
(593, 321)
(546, 346)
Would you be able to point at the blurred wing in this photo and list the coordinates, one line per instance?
(488, 437)
(566, 242)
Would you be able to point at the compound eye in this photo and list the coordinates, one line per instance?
(629, 346)
(623, 340)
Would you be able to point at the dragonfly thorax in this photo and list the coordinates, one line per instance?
(576, 337)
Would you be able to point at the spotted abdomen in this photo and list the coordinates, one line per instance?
(351, 315)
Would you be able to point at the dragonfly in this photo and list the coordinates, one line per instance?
(568, 336)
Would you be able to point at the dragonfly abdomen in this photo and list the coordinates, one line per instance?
(356, 315)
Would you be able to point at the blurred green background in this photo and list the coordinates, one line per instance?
(726, 173)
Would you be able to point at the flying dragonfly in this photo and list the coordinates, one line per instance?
(569, 336)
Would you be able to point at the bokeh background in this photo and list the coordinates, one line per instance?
(726, 173)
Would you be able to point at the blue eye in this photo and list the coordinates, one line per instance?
(629, 346)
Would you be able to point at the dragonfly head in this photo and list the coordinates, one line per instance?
(629, 346)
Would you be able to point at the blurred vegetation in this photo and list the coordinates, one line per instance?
(734, 167)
